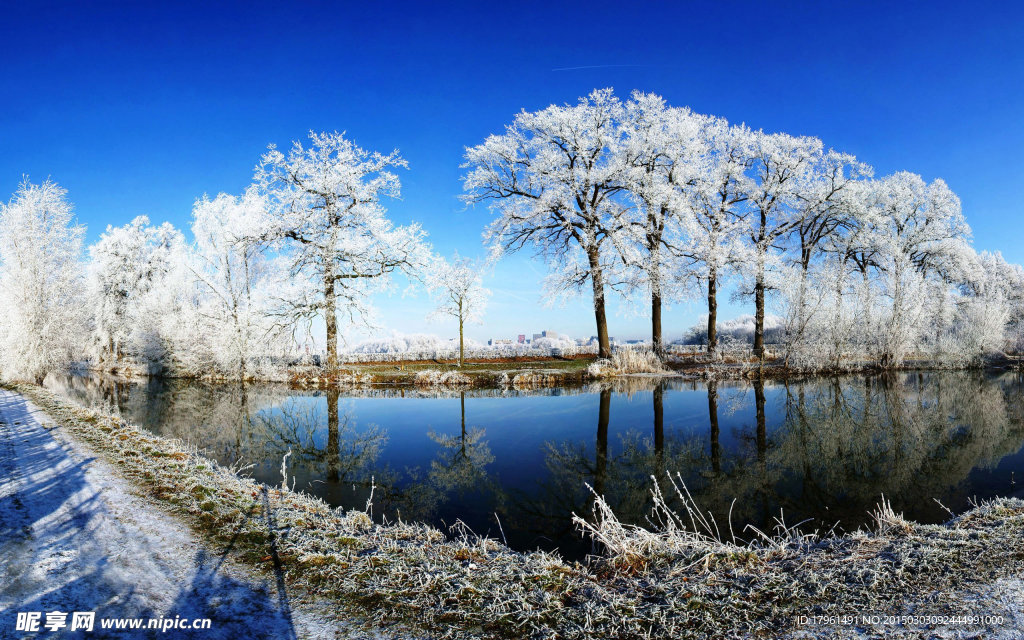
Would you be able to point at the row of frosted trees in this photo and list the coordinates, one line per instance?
(308, 240)
(664, 205)
(637, 198)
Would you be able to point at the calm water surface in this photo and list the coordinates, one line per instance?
(818, 449)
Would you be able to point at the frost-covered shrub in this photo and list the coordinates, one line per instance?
(407, 343)
(739, 329)
(530, 379)
(435, 378)
(625, 361)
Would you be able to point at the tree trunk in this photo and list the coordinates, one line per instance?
(462, 348)
(716, 448)
(656, 338)
(759, 310)
(462, 408)
(712, 310)
(601, 463)
(333, 437)
(762, 434)
(597, 278)
(330, 315)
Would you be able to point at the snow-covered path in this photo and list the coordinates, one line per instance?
(74, 538)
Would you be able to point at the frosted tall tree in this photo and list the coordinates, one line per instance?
(554, 180)
(831, 206)
(921, 233)
(782, 171)
(325, 209)
(235, 275)
(993, 293)
(40, 282)
(458, 287)
(661, 152)
(719, 192)
(135, 279)
(858, 252)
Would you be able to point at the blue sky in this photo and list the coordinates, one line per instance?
(139, 109)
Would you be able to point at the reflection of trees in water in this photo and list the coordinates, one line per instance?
(217, 420)
(839, 444)
(913, 437)
(349, 454)
(332, 456)
(341, 465)
(842, 443)
(461, 460)
(822, 447)
(546, 511)
(349, 460)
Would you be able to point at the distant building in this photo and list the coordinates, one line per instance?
(537, 336)
(522, 338)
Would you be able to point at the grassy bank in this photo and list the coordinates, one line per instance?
(526, 372)
(690, 578)
(480, 373)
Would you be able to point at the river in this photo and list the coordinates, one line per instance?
(816, 450)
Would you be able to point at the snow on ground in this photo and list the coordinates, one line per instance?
(74, 538)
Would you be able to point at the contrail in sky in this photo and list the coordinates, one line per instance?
(597, 66)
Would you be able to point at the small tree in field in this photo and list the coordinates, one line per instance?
(460, 294)
(325, 210)
(40, 282)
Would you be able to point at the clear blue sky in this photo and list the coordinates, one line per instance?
(137, 108)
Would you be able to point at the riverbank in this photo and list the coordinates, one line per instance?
(74, 536)
(533, 371)
(674, 584)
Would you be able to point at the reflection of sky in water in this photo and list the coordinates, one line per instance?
(522, 425)
(947, 436)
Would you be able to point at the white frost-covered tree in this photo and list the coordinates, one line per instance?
(782, 175)
(662, 153)
(236, 276)
(458, 288)
(554, 180)
(991, 301)
(922, 242)
(327, 216)
(42, 324)
(832, 208)
(138, 281)
(717, 199)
